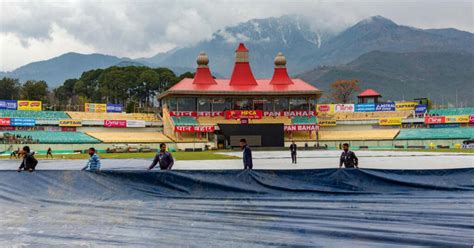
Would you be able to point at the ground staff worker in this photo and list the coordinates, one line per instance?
(163, 158)
(293, 149)
(247, 154)
(348, 158)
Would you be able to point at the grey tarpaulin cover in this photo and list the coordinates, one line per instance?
(304, 208)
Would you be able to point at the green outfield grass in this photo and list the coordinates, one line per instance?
(206, 155)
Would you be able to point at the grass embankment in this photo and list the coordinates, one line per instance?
(206, 155)
(435, 150)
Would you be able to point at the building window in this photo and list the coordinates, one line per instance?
(171, 102)
(263, 104)
(219, 105)
(187, 104)
(281, 104)
(299, 104)
(204, 104)
(312, 104)
(244, 104)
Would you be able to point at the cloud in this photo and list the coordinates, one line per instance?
(145, 27)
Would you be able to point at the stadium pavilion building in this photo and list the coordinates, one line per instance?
(265, 111)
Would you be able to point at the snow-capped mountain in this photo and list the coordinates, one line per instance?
(291, 35)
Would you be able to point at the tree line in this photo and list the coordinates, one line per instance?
(133, 87)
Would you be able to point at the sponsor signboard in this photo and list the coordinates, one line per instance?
(420, 109)
(289, 113)
(390, 121)
(68, 129)
(8, 104)
(183, 113)
(435, 119)
(22, 122)
(325, 108)
(115, 123)
(208, 114)
(293, 128)
(194, 129)
(450, 125)
(4, 122)
(385, 107)
(401, 106)
(95, 107)
(365, 107)
(457, 119)
(2, 128)
(114, 108)
(471, 119)
(238, 114)
(136, 123)
(326, 123)
(344, 108)
(29, 105)
(70, 123)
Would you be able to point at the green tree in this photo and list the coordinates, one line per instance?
(148, 83)
(187, 74)
(35, 90)
(10, 89)
(342, 91)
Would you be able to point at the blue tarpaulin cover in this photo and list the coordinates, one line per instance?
(219, 208)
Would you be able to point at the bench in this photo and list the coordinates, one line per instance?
(417, 147)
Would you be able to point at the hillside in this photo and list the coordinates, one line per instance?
(304, 46)
(440, 76)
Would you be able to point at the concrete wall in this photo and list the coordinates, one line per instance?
(129, 129)
(381, 144)
(41, 148)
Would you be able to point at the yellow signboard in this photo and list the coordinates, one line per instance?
(401, 106)
(326, 123)
(390, 121)
(325, 108)
(70, 123)
(95, 107)
(29, 105)
(457, 119)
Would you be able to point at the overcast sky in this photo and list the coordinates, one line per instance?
(38, 30)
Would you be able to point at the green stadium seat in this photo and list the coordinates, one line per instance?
(184, 121)
(38, 115)
(452, 111)
(436, 133)
(303, 120)
(49, 137)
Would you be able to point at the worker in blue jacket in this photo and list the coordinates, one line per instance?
(348, 158)
(247, 156)
(163, 158)
(94, 163)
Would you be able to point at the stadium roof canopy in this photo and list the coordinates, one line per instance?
(242, 80)
(368, 93)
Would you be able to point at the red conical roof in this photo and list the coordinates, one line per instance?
(242, 73)
(280, 75)
(203, 73)
(203, 76)
(242, 48)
